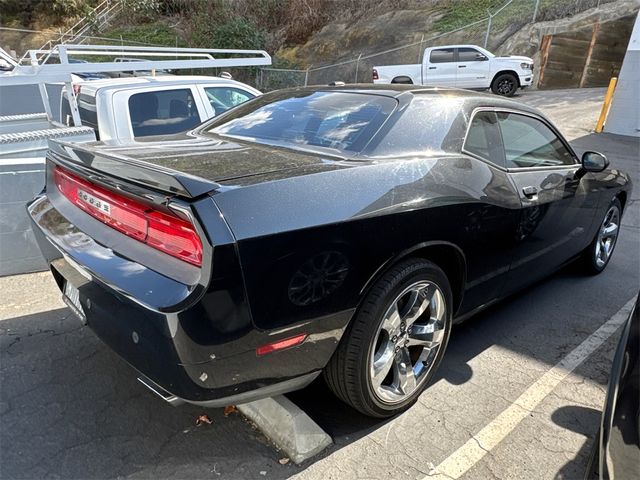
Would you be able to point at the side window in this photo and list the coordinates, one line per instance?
(442, 55)
(224, 98)
(483, 138)
(163, 113)
(528, 142)
(466, 54)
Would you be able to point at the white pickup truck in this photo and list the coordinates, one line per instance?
(462, 66)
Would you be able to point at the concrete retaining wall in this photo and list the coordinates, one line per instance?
(588, 57)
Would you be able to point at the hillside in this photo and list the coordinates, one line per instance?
(305, 34)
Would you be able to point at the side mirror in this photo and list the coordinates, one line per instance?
(594, 162)
(480, 57)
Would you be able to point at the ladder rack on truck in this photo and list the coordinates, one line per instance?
(24, 135)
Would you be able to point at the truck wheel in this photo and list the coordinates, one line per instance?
(505, 84)
(403, 79)
(395, 342)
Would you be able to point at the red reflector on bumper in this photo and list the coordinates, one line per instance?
(281, 344)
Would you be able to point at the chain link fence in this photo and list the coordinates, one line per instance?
(490, 32)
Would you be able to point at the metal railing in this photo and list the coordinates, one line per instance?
(95, 20)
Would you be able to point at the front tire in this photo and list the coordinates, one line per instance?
(505, 84)
(596, 256)
(395, 342)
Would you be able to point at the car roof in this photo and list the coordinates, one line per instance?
(125, 82)
(472, 98)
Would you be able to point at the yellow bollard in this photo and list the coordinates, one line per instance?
(606, 105)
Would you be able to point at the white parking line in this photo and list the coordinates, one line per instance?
(493, 433)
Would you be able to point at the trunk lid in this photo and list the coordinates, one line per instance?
(193, 166)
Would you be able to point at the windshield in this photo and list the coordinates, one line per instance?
(342, 121)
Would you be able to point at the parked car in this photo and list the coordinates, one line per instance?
(616, 452)
(124, 109)
(337, 230)
(463, 66)
(79, 77)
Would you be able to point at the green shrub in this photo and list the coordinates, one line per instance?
(235, 32)
(154, 33)
(459, 13)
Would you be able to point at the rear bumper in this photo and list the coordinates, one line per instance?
(237, 399)
(197, 346)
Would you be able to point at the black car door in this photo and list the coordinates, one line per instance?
(557, 210)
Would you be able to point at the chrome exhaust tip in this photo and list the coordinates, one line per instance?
(170, 398)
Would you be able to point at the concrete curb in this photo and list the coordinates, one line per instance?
(285, 424)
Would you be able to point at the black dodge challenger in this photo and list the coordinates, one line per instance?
(337, 230)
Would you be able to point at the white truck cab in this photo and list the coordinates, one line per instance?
(463, 66)
(123, 109)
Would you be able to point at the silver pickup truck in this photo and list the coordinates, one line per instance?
(118, 110)
(115, 110)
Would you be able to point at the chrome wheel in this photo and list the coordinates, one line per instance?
(408, 340)
(607, 236)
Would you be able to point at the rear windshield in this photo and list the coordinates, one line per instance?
(336, 120)
(164, 112)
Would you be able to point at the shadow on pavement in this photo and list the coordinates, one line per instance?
(70, 408)
(582, 420)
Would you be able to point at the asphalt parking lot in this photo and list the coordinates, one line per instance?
(70, 408)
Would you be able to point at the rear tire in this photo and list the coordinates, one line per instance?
(395, 342)
(596, 256)
(505, 84)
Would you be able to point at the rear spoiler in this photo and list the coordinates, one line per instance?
(91, 160)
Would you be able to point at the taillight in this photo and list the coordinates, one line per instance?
(162, 231)
(374, 74)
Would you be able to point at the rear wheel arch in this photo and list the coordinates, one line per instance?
(447, 256)
(402, 79)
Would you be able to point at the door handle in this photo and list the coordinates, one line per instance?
(530, 191)
(462, 66)
(432, 68)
